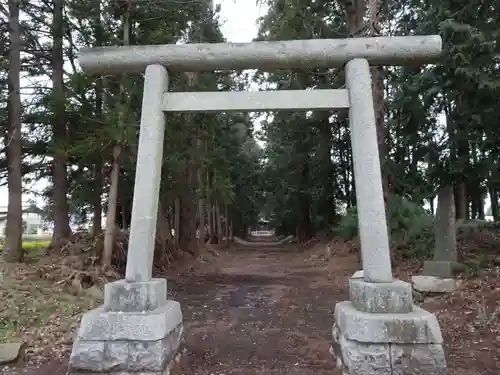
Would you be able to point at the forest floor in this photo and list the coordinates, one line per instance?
(262, 311)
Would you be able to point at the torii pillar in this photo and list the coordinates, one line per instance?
(379, 331)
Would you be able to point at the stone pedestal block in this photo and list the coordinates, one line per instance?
(359, 274)
(141, 335)
(444, 269)
(432, 284)
(387, 343)
(395, 297)
(125, 296)
(418, 326)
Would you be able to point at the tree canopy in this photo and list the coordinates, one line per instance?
(436, 124)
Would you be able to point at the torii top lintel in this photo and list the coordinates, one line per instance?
(310, 53)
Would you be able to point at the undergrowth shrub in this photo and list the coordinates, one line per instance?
(411, 228)
(412, 233)
(33, 247)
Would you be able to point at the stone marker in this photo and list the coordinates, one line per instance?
(137, 330)
(379, 331)
(445, 252)
(438, 273)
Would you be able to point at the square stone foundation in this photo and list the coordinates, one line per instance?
(381, 332)
(444, 269)
(136, 331)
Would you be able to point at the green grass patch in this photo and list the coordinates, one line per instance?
(33, 246)
(34, 308)
(34, 250)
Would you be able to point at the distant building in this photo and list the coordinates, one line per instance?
(33, 222)
(262, 228)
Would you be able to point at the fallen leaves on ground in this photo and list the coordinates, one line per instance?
(40, 313)
(44, 311)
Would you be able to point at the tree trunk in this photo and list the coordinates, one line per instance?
(480, 206)
(187, 239)
(353, 185)
(109, 234)
(345, 162)
(60, 191)
(374, 18)
(231, 230)
(304, 226)
(97, 219)
(177, 219)
(209, 211)
(201, 210)
(125, 214)
(494, 202)
(472, 198)
(226, 217)
(476, 199)
(163, 236)
(355, 11)
(99, 93)
(237, 226)
(461, 202)
(462, 158)
(378, 104)
(219, 222)
(13, 248)
(163, 228)
(377, 73)
(327, 210)
(187, 228)
(431, 204)
(215, 234)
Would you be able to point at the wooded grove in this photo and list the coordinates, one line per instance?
(437, 124)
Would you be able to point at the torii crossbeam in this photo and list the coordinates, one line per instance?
(310, 53)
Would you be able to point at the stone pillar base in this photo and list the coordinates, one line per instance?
(136, 331)
(391, 336)
(433, 284)
(437, 268)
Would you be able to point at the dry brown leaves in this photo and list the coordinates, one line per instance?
(470, 316)
(40, 313)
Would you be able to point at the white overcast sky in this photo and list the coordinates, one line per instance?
(239, 24)
(239, 19)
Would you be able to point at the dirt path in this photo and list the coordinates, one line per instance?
(260, 312)
(264, 311)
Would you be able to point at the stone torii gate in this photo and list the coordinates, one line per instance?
(379, 330)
